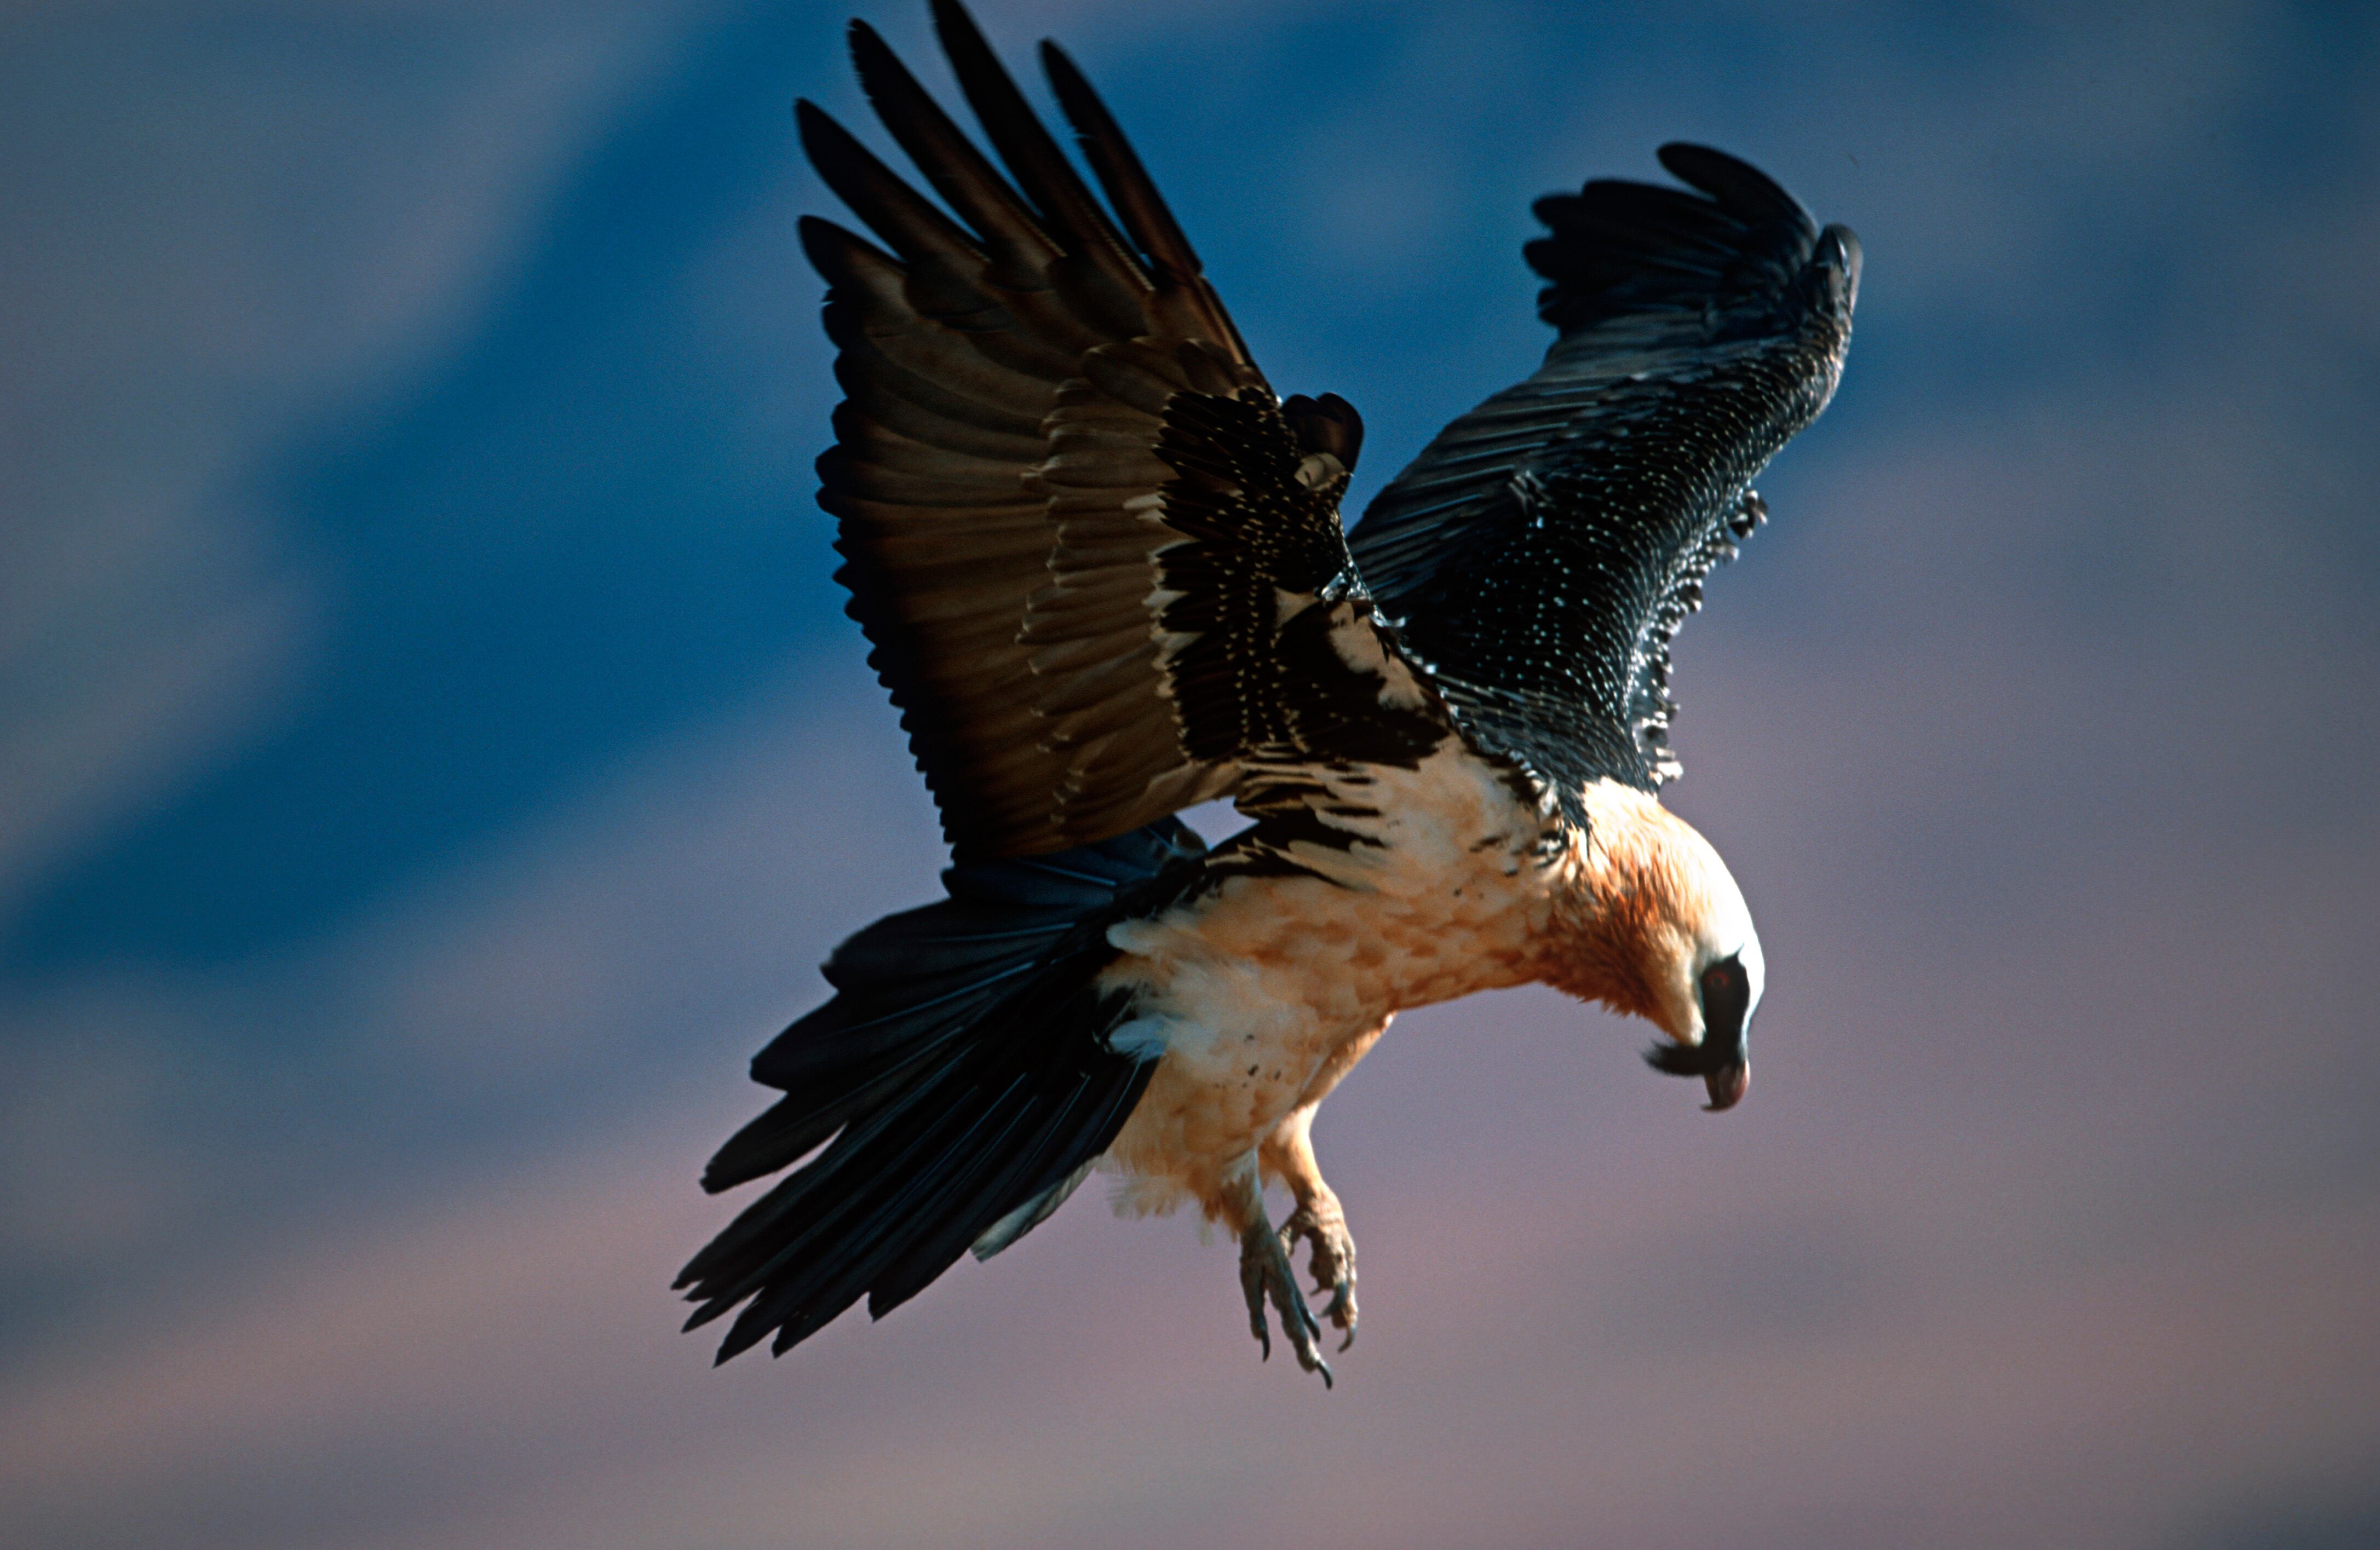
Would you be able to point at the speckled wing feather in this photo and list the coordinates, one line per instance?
(1541, 550)
(1077, 522)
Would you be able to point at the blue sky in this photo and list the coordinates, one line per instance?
(434, 758)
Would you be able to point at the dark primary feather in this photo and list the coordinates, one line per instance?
(1541, 552)
(963, 1073)
(1069, 505)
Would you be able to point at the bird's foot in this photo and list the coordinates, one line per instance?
(1333, 1263)
(1264, 1272)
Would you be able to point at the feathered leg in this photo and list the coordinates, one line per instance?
(1288, 1155)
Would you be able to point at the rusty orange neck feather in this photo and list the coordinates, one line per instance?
(1630, 888)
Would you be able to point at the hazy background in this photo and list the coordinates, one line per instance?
(431, 761)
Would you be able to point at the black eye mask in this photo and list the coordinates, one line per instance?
(1726, 994)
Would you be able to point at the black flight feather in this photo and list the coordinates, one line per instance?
(963, 1073)
(1033, 159)
(1542, 551)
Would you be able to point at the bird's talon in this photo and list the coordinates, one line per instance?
(1333, 1263)
(1266, 1274)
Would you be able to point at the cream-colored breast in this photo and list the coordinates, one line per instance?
(1249, 988)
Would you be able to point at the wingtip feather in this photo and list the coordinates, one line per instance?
(1743, 189)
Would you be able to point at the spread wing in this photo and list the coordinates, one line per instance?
(1097, 559)
(1540, 553)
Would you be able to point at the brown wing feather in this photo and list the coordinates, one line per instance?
(1069, 505)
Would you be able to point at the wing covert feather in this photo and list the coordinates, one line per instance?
(1541, 552)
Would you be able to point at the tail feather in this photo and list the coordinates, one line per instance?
(1027, 1216)
(960, 1082)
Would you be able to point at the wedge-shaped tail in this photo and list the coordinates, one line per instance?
(962, 1081)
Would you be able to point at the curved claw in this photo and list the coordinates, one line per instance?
(1265, 1273)
(1341, 1309)
(1331, 1264)
(1252, 1286)
(1341, 1312)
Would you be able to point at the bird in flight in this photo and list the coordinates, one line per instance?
(1102, 570)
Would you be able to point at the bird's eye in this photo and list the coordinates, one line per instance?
(1726, 1002)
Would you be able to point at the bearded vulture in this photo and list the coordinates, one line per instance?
(1103, 573)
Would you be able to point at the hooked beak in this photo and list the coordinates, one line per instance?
(1725, 1073)
(1726, 1084)
(1725, 993)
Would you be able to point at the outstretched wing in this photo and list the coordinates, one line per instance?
(1079, 528)
(1541, 550)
